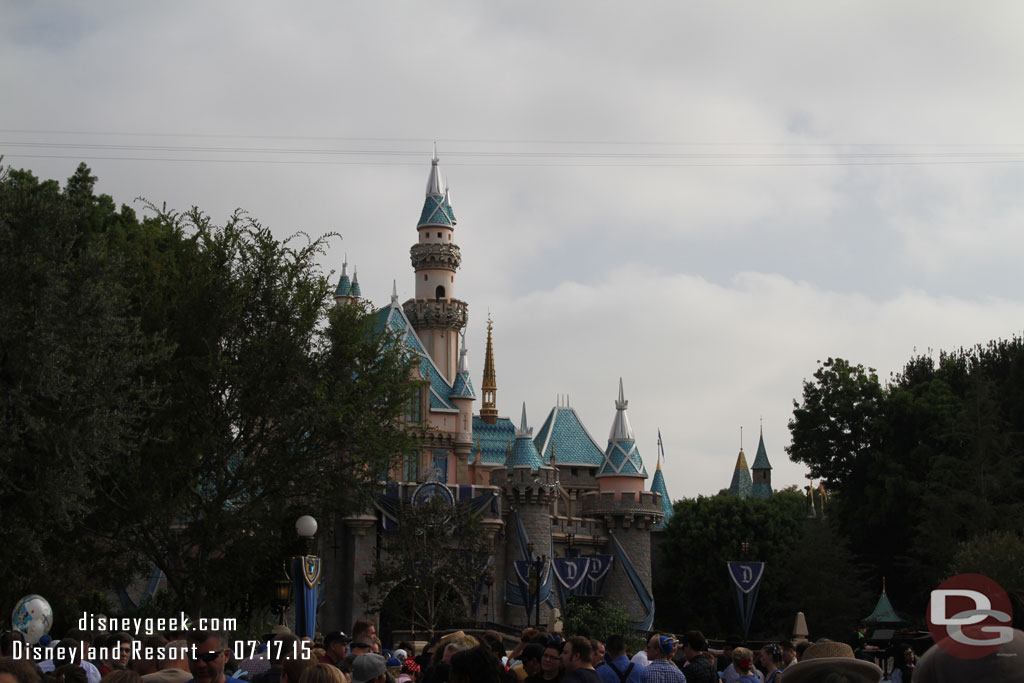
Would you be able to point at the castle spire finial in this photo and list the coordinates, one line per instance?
(435, 186)
(524, 431)
(394, 291)
(463, 362)
(489, 387)
(621, 429)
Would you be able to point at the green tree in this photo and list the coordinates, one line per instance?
(693, 589)
(821, 577)
(835, 428)
(72, 395)
(599, 619)
(998, 555)
(432, 566)
(925, 462)
(275, 403)
(175, 393)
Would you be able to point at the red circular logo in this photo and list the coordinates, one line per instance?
(969, 616)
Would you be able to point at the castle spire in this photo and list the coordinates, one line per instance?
(344, 283)
(354, 292)
(524, 430)
(741, 484)
(489, 409)
(621, 429)
(622, 457)
(761, 472)
(435, 186)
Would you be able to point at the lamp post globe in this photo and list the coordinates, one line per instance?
(305, 526)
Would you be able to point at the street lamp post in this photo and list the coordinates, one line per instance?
(306, 573)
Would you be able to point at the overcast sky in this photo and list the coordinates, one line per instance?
(703, 198)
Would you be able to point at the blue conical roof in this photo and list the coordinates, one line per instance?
(437, 209)
(883, 613)
(658, 486)
(344, 284)
(742, 484)
(463, 386)
(524, 452)
(355, 286)
(622, 457)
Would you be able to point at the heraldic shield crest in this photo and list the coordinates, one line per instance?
(311, 570)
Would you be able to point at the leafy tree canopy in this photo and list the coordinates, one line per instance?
(920, 464)
(177, 392)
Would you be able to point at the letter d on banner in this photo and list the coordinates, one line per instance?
(745, 578)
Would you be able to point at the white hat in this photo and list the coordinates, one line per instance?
(831, 657)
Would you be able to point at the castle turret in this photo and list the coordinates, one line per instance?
(622, 469)
(462, 397)
(489, 407)
(529, 488)
(436, 315)
(761, 472)
(629, 513)
(347, 291)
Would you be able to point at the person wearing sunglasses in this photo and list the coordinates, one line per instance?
(207, 656)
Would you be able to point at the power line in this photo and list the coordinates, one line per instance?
(508, 141)
(952, 162)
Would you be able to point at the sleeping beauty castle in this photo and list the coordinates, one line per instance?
(553, 499)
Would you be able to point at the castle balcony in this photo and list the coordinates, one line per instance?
(449, 314)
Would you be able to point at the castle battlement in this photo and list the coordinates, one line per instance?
(626, 509)
(436, 313)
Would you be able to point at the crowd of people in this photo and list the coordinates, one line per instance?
(459, 657)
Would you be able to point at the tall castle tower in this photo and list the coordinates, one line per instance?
(629, 513)
(529, 487)
(436, 315)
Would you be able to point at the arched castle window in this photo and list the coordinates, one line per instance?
(439, 292)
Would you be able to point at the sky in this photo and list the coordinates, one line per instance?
(704, 199)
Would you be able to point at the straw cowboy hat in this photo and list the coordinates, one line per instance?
(831, 657)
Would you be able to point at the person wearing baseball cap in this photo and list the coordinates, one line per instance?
(336, 646)
(369, 668)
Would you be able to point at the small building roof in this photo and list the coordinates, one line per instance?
(883, 612)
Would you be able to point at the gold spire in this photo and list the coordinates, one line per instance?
(489, 409)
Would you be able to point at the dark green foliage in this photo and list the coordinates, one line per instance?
(918, 466)
(177, 393)
(73, 398)
(593, 618)
(431, 568)
(693, 589)
(998, 555)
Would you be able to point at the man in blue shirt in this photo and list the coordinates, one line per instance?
(618, 668)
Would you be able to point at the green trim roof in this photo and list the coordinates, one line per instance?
(884, 613)
(761, 459)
